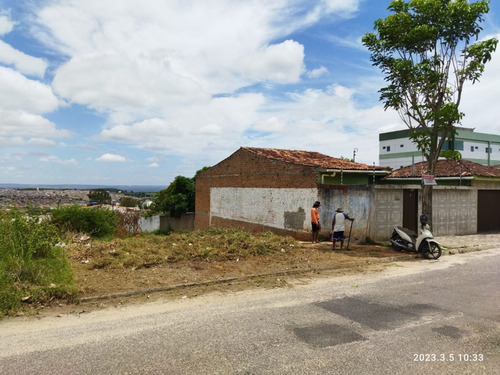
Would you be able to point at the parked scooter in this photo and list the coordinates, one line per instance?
(406, 239)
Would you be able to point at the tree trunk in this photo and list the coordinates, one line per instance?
(432, 159)
(427, 202)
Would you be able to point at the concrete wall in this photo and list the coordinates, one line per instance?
(185, 222)
(376, 209)
(354, 200)
(386, 211)
(287, 209)
(149, 224)
(454, 210)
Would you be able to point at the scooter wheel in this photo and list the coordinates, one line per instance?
(431, 250)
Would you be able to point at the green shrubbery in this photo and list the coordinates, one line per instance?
(97, 222)
(32, 267)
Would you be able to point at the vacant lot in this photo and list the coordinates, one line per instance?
(105, 283)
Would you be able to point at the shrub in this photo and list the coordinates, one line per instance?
(26, 235)
(32, 268)
(97, 222)
(129, 202)
(128, 224)
(100, 196)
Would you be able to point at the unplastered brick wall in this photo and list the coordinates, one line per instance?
(244, 169)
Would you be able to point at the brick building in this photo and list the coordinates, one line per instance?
(261, 189)
(267, 189)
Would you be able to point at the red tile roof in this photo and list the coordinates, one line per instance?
(310, 158)
(448, 168)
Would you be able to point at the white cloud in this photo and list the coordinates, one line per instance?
(20, 93)
(157, 159)
(188, 130)
(7, 169)
(22, 103)
(24, 63)
(138, 62)
(279, 63)
(17, 123)
(113, 158)
(271, 124)
(316, 73)
(327, 121)
(153, 165)
(6, 24)
(480, 101)
(55, 159)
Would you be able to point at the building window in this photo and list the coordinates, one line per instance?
(488, 150)
(471, 148)
(401, 145)
(388, 148)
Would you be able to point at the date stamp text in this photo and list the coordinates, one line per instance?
(450, 357)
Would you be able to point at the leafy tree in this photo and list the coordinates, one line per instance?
(451, 155)
(200, 170)
(346, 158)
(177, 199)
(100, 196)
(129, 202)
(427, 50)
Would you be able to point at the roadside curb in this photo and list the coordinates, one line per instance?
(244, 278)
(453, 250)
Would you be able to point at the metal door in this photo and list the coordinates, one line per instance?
(410, 209)
(488, 211)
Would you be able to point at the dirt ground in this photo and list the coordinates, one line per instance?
(102, 288)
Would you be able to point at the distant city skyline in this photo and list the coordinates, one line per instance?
(112, 93)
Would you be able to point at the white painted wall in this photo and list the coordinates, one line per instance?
(149, 224)
(394, 146)
(265, 206)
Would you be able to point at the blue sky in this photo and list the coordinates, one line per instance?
(138, 92)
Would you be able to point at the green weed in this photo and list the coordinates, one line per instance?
(32, 268)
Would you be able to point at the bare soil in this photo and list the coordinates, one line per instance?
(101, 288)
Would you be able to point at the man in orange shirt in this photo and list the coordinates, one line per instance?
(316, 226)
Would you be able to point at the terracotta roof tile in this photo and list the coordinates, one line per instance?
(448, 168)
(309, 158)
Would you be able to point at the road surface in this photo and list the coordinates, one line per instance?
(426, 317)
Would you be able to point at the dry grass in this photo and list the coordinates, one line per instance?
(148, 250)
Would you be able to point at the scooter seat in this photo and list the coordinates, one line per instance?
(409, 232)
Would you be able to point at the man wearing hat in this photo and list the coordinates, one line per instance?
(338, 226)
(316, 226)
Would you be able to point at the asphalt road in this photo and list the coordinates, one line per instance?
(428, 317)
